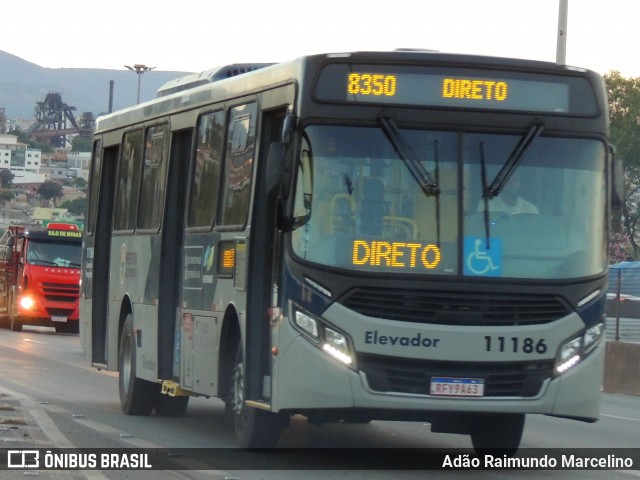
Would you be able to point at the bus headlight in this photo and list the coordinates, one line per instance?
(307, 323)
(337, 345)
(573, 351)
(327, 338)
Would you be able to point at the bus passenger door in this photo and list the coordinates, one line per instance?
(172, 241)
(98, 290)
(264, 255)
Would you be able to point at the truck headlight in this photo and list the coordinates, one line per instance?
(573, 351)
(328, 338)
(27, 302)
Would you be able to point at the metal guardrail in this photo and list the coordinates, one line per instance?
(623, 330)
(623, 303)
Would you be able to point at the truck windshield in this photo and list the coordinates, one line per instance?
(54, 254)
(359, 207)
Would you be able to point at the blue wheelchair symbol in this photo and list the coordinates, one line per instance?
(480, 260)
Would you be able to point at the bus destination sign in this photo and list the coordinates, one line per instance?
(455, 91)
(455, 88)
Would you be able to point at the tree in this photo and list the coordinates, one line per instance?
(50, 191)
(76, 206)
(619, 246)
(81, 144)
(80, 183)
(624, 111)
(6, 195)
(24, 137)
(6, 178)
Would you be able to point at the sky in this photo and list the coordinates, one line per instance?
(196, 35)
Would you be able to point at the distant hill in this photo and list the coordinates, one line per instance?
(22, 84)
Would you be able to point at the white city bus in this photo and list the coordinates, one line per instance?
(358, 236)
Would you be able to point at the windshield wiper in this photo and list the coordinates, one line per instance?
(430, 187)
(503, 176)
(412, 162)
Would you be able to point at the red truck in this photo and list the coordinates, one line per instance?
(40, 276)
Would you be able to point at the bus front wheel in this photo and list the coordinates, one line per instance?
(254, 428)
(136, 395)
(497, 433)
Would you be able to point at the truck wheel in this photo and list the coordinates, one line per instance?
(254, 428)
(16, 323)
(68, 327)
(136, 395)
(497, 434)
(13, 321)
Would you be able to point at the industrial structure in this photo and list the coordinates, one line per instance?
(55, 120)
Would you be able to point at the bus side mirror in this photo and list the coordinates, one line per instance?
(617, 182)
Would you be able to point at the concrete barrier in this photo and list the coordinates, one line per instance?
(622, 368)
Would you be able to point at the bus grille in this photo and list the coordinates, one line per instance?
(456, 308)
(510, 379)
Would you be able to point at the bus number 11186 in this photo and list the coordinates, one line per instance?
(515, 345)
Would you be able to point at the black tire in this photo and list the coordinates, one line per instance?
(68, 327)
(16, 323)
(498, 434)
(13, 322)
(167, 406)
(136, 395)
(4, 321)
(254, 428)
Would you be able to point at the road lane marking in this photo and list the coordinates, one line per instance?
(620, 418)
(34, 341)
(50, 430)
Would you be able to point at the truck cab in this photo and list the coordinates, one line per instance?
(40, 277)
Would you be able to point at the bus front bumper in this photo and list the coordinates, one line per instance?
(306, 378)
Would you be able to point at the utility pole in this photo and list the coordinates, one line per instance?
(561, 48)
(139, 69)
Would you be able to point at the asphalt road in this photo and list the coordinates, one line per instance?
(51, 398)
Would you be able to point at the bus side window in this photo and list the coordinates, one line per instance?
(238, 168)
(154, 177)
(127, 182)
(205, 178)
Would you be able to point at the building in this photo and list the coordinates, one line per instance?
(21, 160)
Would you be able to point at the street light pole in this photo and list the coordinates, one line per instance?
(139, 69)
(561, 47)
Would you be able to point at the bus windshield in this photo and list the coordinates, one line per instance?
(359, 206)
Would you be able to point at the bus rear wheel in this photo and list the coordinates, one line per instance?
(254, 428)
(497, 433)
(136, 395)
